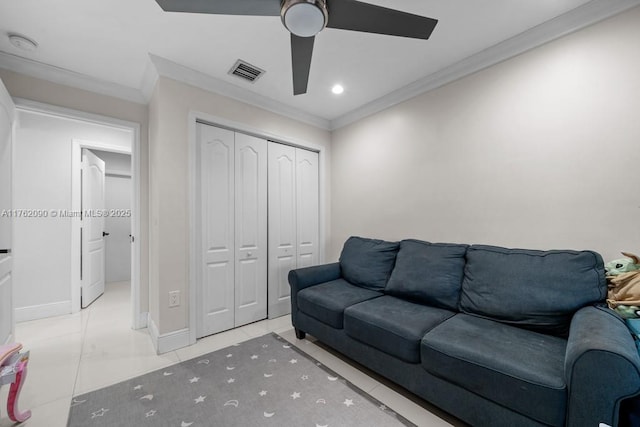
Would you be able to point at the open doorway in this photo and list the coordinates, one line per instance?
(106, 238)
(119, 260)
(47, 165)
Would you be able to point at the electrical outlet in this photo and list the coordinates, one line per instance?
(174, 298)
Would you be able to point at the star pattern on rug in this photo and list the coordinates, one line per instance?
(256, 370)
(99, 413)
(75, 402)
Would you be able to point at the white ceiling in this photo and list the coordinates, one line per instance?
(109, 41)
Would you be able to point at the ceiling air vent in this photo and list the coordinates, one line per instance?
(246, 71)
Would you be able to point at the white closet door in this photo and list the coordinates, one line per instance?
(250, 229)
(216, 302)
(307, 211)
(282, 226)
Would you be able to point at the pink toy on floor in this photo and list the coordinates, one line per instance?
(8, 350)
(13, 368)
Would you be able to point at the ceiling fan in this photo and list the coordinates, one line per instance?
(306, 18)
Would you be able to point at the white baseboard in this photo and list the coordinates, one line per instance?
(34, 312)
(167, 342)
(142, 321)
(10, 338)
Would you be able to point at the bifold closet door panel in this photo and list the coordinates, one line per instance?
(216, 296)
(282, 226)
(250, 229)
(307, 207)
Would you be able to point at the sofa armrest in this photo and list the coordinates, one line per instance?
(309, 276)
(602, 367)
(302, 278)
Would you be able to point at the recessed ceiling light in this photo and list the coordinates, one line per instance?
(22, 42)
(337, 89)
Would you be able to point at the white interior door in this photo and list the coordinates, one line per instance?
(250, 229)
(93, 246)
(282, 226)
(307, 207)
(216, 298)
(7, 113)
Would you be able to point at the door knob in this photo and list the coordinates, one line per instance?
(104, 233)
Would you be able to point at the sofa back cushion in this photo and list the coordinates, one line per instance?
(536, 290)
(368, 262)
(428, 273)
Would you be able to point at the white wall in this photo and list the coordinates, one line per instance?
(540, 151)
(25, 87)
(118, 196)
(42, 181)
(115, 163)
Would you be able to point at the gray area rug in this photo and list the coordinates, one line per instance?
(265, 381)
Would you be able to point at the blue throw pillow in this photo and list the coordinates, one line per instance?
(535, 290)
(428, 273)
(368, 262)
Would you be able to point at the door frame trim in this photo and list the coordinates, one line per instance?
(194, 117)
(139, 319)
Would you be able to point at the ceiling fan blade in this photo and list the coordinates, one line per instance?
(301, 52)
(357, 16)
(223, 7)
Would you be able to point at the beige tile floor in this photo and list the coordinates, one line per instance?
(81, 352)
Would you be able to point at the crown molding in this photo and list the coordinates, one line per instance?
(6, 103)
(574, 20)
(65, 77)
(175, 71)
(149, 80)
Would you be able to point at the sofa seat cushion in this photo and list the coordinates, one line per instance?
(326, 302)
(368, 262)
(428, 273)
(537, 290)
(393, 325)
(519, 369)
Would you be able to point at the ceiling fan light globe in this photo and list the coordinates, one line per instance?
(304, 18)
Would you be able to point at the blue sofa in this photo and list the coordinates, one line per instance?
(494, 336)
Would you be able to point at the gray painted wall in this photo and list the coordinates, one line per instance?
(540, 151)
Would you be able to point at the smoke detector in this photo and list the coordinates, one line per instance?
(22, 42)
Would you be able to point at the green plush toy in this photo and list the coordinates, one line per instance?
(623, 265)
(628, 311)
